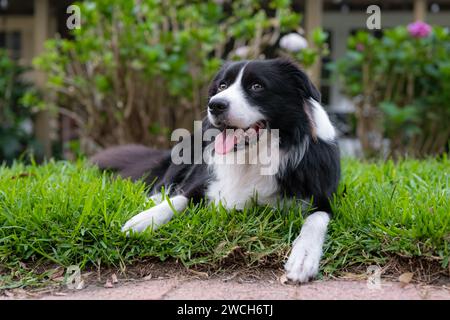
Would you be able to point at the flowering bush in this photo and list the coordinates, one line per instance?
(400, 84)
(138, 69)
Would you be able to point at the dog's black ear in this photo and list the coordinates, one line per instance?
(307, 88)
(212, 90)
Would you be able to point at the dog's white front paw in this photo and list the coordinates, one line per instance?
(157, 198)
(303, 263)
(153, 217)
(156, 216)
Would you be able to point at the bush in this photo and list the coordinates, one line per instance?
(15, 119)
(401, 87)
(136, 70)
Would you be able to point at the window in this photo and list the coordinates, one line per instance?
(12, 42)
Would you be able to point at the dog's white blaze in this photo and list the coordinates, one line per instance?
(241, 114)
(324, 128)
(156, 216)
(303, 263)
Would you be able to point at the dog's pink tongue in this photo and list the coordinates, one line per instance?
(224, 143)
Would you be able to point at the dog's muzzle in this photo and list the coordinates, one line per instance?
(218, 107)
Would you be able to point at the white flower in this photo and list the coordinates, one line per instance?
(242, 52)
(27, 126)
(293, 42)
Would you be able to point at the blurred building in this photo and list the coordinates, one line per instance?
(24, 27)
(26, 24)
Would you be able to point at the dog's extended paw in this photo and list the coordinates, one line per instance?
(157, 198)
(153, 217)
(303, 263)
(156, 216)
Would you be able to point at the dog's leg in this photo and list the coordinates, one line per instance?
(303, 263)
(157, 198)
(156, 216)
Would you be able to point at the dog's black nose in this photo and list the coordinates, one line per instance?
(218, 106)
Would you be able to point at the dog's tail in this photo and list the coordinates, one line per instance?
(133, 161)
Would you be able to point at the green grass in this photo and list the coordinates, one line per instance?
(70, 214)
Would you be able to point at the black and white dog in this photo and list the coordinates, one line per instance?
(254, 98)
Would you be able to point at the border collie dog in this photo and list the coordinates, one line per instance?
(248, 101)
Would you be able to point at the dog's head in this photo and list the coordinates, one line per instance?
(259, 94)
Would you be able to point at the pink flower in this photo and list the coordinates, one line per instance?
(360, 47)
(419, 29)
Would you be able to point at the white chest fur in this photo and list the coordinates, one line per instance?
(237, 185)
(242, 178)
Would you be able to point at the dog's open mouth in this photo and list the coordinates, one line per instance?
(233, 139)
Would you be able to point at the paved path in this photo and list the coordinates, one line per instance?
(173, 281)
(185, 288)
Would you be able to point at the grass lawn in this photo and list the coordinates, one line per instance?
(70, 214)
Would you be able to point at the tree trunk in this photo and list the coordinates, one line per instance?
(369, 129)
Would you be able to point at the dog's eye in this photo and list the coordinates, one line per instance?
(222, 86)
(257, 87)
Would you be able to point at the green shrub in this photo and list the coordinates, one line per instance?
(15, 119)
(401, 87)
(136, 70)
